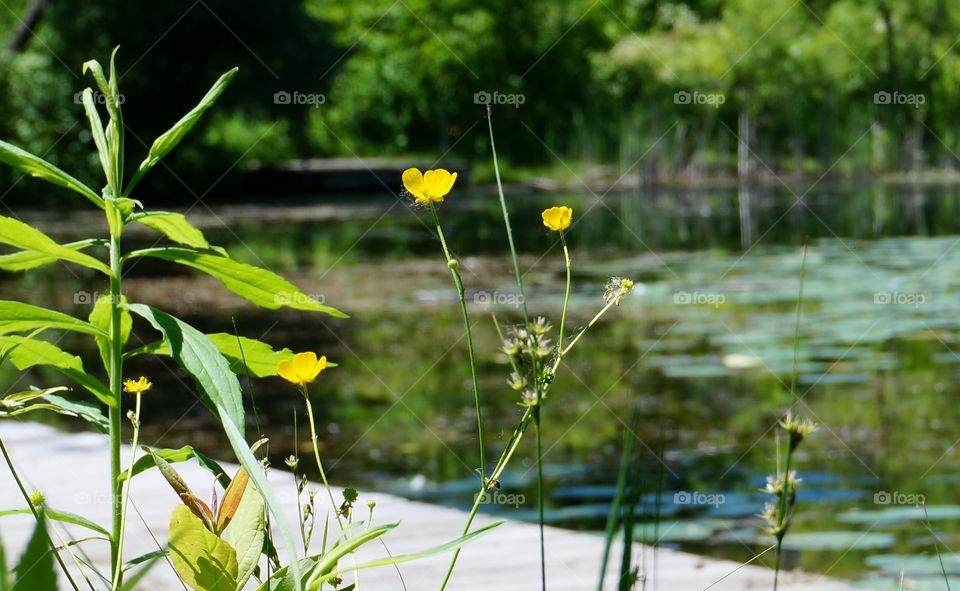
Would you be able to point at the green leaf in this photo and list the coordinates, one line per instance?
(245, 533)
(80, 408)
(4, 576)
(282, 579)
(21, 317)
(261, 359)
(41, 169)
(199, 356)
(21, 235)
(24, 353)
(174, 226)
(149, 557)
(194, 351)
(36, 569)
(63, 517)
(96, 130)
(190, 500)
(169, 140)
(100, 317)
(328, 561)
(203, 561)
(31, 259)
(391, 560)
(132, 582)
(263, 288)
(171, 456)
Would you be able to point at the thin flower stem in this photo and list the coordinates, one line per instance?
(583, 331)
(36, 514)
(485, 487)
(506, 221)
(566, 295)
(543, 552)
(126, 491)
(458, 281)
(316, 455)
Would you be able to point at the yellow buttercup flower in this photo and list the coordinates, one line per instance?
(136, 386)
(557, 218)
(302, 369)
(430, 187)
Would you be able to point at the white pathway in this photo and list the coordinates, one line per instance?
(72, 472)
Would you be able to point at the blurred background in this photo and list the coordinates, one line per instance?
(701, 145)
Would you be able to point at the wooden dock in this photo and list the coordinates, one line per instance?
(72, 472)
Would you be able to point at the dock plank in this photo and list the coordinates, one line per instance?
(71, 471)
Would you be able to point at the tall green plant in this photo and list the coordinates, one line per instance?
(211, 549)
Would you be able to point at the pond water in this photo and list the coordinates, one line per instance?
(702, 352)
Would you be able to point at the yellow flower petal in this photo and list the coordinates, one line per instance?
(304, 363)
(557, 218)
(319, 366)
(286, 371)
(413, 183)
(438, 183)
(137, 386)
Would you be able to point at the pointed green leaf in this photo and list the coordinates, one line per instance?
(85, 410)
(283, 580)
(21, 317)
(262, 287)
(4, 576)
(440, 549)
(30, 259)
(63, 517)
(203, 561)
(261, 359)
(36, 568)
(96, 131)
(24, 352)
(195, 353)
(21, 235)
(171, 456)
(164, 144)
(39, 168)
(245, 532)
(174, 226)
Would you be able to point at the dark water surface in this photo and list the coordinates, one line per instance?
(703, 349)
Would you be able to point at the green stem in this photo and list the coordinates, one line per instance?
(566, 295)
(583, 331)
(776, 564)
(543, 552)
(453, 264)
(506, 221)
(115, 371)
(126, 491)
(485, 487)
(316, 456)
